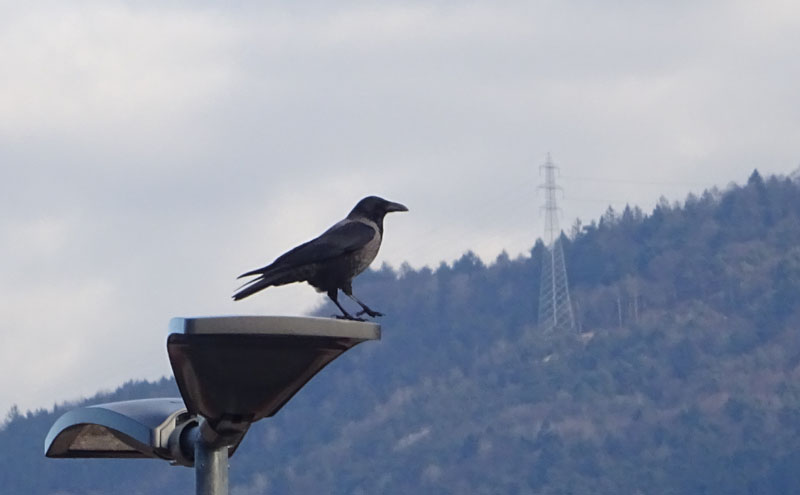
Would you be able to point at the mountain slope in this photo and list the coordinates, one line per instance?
(684, 379)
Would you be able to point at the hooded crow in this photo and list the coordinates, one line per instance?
(331, 261)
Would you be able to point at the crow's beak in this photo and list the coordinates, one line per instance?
(395, 207)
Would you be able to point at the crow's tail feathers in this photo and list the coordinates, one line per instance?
(251, 288)
(257, 271)
(268, 277)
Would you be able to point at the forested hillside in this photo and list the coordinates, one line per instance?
(682, 378)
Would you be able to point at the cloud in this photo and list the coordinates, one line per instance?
(85, 71)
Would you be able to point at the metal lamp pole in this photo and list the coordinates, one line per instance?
(210, 468)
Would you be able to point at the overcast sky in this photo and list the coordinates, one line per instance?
(152, 151)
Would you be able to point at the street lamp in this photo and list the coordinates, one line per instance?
(231, 372)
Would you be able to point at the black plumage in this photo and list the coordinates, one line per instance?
(331, 261)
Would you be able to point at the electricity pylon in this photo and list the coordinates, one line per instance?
(555, 308)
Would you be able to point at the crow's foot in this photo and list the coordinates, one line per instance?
(371, 313)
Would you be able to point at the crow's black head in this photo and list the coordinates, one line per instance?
(375, 208)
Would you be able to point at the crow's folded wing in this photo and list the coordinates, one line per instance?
(341, 239)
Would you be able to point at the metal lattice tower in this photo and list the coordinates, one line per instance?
(555, 307)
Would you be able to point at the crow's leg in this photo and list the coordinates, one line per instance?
(348, 291)
(333, 294)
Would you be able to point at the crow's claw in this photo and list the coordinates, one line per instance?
(369, 312)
